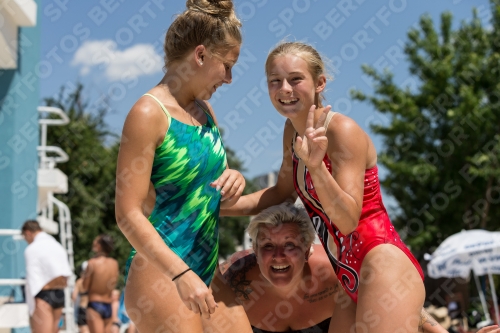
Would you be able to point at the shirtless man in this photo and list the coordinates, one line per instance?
(47, 270)
(100, 280)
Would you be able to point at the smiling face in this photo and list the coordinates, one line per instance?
(292, 88)
(216, 70)
(281, 254)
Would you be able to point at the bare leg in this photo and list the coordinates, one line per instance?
(108, 325)
(83, 329)
(42, 320)
(131, 328)
(56, 314)
(391, 292)
(153, 303)
(114, 329)
(344, 314)
(94, 321)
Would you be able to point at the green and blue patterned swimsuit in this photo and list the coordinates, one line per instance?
(186, 212)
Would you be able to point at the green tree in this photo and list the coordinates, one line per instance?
(441, 145)
(91, 173)
(232, 228)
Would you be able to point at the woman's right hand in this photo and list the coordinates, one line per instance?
(312, 146)
(195, 294)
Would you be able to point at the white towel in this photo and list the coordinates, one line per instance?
(45, 259)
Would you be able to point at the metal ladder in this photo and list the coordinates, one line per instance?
(49, 156)
(57, 183)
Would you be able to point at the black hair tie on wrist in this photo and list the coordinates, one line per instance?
(178, 276)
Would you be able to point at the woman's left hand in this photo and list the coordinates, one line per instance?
(311, 148)
(231, 185)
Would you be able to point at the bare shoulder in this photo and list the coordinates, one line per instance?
(238, 273)
(341, 125)
(321, 266)
(113, 261)
(145, 122)
(146, 109)
(318, 256)
(348, 141)
(91, 264)
(240, 257)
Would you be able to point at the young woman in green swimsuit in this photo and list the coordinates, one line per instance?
(172, 175)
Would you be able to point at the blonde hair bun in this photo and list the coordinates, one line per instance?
(216, 8)
(212, 23)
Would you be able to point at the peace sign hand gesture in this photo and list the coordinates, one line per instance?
(312, 147)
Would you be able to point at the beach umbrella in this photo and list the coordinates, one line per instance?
(476, 251)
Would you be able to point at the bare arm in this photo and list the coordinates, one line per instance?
(87, 275)
(252, 204)
(76, 290)
(428, 324)
(228, 306)
(489, 329)
(347, 145)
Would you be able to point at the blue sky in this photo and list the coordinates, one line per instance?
(114, 47)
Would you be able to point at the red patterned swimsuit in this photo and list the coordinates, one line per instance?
(346, 252)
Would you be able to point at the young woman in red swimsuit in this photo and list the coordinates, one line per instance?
(330, 163)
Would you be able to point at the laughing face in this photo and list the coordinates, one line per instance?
(217, 70)
(281, 253)
(292, 88)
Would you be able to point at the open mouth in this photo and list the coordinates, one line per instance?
(290, 101)
(280, 268)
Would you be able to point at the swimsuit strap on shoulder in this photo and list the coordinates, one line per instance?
(161, 105)
(328, 118)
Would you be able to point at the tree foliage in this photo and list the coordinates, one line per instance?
(232, 228)
(91, 173)
(93, 151)
(442, 142)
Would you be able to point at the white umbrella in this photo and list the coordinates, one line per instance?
(472, 250)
